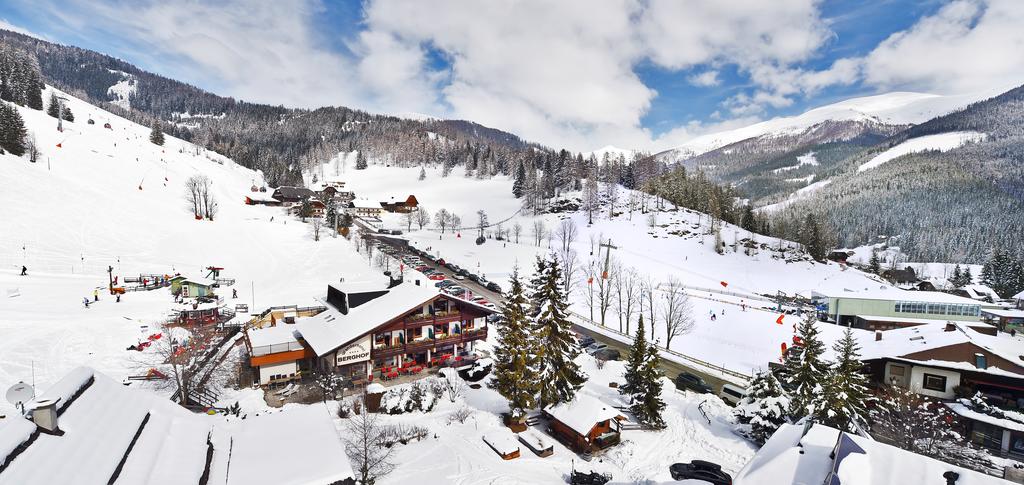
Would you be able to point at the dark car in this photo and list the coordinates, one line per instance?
(445, 283)
(474, 277)
(695, 383)
(494, 287)
(607, 354)
(585, 341)
(462, 272)
(700, 470)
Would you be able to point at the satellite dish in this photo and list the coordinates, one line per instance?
(20, 393)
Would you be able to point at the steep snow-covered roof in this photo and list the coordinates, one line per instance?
(332, 329)
(1019, 296)
(793, 457)
(582, 413)
(1005, 313)
(105, 424)
(978, 292)
(280, 334)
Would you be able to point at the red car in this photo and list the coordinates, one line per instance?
(436, 277)
(423, 267)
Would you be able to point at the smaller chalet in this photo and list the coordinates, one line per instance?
(944, 360)
(584, 424)
(998, 430)
(292, 195)
(277, 354)
(261, 198)
(193, 287)
(408, 205)
(813, 454)
(195, 312)
(977, 292)
(900, 276)
(363, 208)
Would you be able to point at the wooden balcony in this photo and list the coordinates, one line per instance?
(430, 344)
(439, 318)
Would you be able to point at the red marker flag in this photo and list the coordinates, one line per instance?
(779, 320)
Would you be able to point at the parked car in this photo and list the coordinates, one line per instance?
(440, 284)
(584, 341)
(732, 394)
(693, 382)
(607, 354)
(700, 470)
(441, 261)
(493, 287)
(459, 277)
(589, 478)
(436, 277)
(594, 347)
(456, 290)
(473, 277)
(445, 284)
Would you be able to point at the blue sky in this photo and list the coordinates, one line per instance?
(640, 74)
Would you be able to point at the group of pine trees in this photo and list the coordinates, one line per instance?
(808, 386)
(961, 277)
(1004, 273)
(57, 109)
(22, 85)
(534, 365)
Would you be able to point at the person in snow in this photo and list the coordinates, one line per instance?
(96, 295)
(234, 293)
(24, 270)
(118, 298)
(712, 316)
(85, 301)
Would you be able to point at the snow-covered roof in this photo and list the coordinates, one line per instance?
(1005, 313)
(793, 457)
(582, 413)
(106, 424)
(279, 334)
(1018, 296)
(979, 292)
(299, 445)
(502, 440)
(897, 294)
(969, 413)
(366, 204)
(901, 342)
(332, 329)
(261, 196)
(201, 281)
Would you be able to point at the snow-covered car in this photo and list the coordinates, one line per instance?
(607, 354)
(594, 347)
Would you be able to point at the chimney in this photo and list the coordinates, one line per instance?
(980, 361)
(878, 335)
(951, 477)
(45, 415)
(950, 327)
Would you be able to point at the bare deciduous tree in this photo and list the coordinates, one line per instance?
(648, 298)
(481, 217)
(539, 231)
(517, 230)
(422, 217)
(677, 310)
(443, 220)
(200, 198)
(181, 360)
(409, 218)
(315, 225)
(566, 234)
(366, 446)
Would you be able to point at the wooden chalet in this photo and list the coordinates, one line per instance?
(584, 424)
(376, 332)
(291, 195)
(408, 205)
(901, 276)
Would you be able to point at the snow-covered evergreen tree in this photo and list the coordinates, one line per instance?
(360, 161)
(635, 361)
(12, 130)
(535, 287)
(764, 408)
(423, 173)
(515, 376)
(68, 115)
(805, 371)
(53, 108)
(874, 265)
(519, 183)
(646, 403)
(559, 376)
(156, 134)
(846, 392)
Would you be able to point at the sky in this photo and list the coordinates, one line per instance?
(579, 74)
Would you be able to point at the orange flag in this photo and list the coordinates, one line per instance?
(58, 145)
(779, 320)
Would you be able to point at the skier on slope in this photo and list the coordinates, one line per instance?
(24, 270)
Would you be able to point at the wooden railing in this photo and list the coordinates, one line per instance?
(428, 344)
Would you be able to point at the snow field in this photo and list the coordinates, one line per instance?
(942, 142)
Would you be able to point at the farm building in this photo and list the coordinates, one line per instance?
(584, 424)
(815, 453)
(843, 307)
(940, 360)
(89, 429)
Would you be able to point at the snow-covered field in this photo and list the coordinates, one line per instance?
(941, 142)
(80, 209)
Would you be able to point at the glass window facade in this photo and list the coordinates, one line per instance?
(954, 309)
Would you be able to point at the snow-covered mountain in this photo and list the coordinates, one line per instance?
(611, 151)
(896, 108)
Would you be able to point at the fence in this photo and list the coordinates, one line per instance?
(666, 354)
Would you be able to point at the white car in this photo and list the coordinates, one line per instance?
(459, 277)
(595, 347)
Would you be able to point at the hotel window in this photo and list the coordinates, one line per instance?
(933, 382)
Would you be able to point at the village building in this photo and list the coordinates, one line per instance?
(977, 292)
(370, 331)
(946, 361)
(817, 454)
(261, 198)
(408, 205)
(843, 307)
(363, 208)
(292, 195)
(840, 255)
(1005, 319)
(584, 424)
(873, 322)
(288, 314)
(186, 287)
(903, 276)
(199, 313)
(89, 429)
(1018, 300)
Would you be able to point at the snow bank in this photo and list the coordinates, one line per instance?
(941, 142)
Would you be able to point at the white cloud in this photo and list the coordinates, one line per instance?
(7, 25)
(968, 45)
(705, 79)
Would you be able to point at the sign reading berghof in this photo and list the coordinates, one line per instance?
(358, 351)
